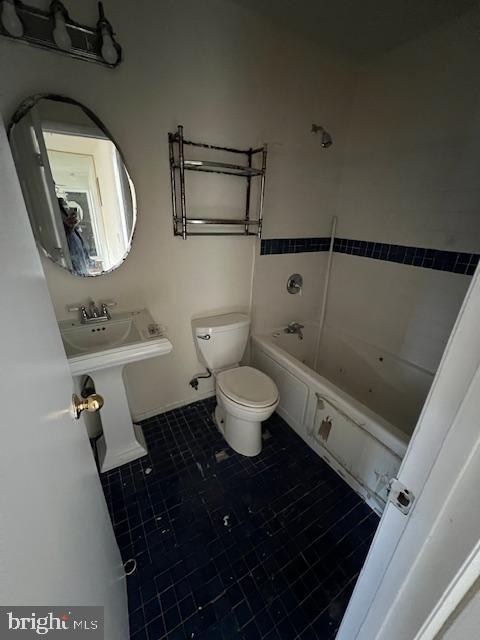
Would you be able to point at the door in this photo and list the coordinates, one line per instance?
(418, 560)
(57, 545)
(40, 188)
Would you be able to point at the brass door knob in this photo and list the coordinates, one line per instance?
(92, 404)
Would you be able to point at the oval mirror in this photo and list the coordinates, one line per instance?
(79, 196)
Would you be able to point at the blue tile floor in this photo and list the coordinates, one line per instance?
(232, 547)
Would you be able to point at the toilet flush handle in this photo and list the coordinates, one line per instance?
(93, 403)
(207, 336)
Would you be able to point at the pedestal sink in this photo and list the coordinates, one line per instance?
(101, 350)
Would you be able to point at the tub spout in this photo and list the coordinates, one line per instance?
(295, 327)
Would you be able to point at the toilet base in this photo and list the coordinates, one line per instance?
(218, 417)
(244, 436)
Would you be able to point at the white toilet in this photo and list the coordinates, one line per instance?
(245, 396)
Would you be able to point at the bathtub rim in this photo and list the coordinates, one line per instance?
(378, 427)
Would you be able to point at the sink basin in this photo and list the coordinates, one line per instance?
(127, 337)
(101, 350)
(88, 338)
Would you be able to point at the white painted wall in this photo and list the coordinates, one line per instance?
(410, 177)
(304, 183)
(230, 77)
(273, 306)
(411, 168)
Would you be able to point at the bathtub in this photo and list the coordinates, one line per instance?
(360, 445)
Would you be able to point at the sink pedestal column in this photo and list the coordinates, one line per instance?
(122, 441)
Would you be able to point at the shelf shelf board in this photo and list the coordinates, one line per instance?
(218, 221)
(212, 234)
(208, 166)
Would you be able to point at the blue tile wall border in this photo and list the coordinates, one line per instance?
(453, 261)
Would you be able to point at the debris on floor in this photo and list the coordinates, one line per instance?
(222, 455)
(239, 549)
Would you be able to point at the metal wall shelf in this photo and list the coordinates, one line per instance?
(185, 226)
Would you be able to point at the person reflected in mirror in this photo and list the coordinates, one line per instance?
(81, 261)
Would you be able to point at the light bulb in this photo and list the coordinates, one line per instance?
(109, 51)
(10, 20)
(60, 33)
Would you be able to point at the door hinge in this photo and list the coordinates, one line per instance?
(400, 496)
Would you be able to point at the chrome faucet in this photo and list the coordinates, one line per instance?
(295, 327)
(92, 313)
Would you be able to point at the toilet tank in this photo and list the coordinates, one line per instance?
(221, 340)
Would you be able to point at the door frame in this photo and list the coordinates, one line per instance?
(453, 598)
(374, 596)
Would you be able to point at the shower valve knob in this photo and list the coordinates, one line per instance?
(295, 283)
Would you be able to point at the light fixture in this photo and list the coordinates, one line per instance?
(54, 29)
(10, 20)
(60, 34)
(109, 48)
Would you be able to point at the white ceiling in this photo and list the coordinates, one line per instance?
(360, 28)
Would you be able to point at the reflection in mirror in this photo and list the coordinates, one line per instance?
(79, 196)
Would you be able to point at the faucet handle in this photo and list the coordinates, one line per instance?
(104, 311)
(71, 308)
(105, 305)
(81, 308)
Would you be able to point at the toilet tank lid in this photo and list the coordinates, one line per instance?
(217, 324)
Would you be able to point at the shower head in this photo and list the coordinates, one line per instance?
(327, 140)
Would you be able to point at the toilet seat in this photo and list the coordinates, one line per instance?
(248, 387)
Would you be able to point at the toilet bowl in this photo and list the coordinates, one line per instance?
(245, 398)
